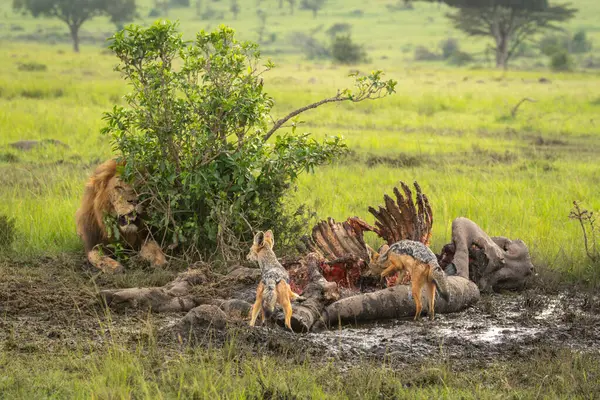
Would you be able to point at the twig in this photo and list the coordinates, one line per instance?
(291, 115)
(368, 89)
(513, 112)
(585, 215)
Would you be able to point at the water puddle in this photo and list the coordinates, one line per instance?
(500, 325)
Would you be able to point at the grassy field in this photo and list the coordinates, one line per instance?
(146, 373)
(387, 35)
(450, 129)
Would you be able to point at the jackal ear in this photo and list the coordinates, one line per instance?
(372, 253)
(384, 249)
(259, 238)
(269, 238)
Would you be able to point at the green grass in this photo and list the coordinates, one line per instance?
(387, 36)
(513, 176)
(450, 129)
(149, 373)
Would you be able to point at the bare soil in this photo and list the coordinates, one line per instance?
(51, 304)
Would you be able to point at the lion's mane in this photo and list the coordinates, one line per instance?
(95, 204)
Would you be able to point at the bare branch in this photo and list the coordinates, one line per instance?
(291, 115)
(513, 112)
(586, 216)
(369, 88)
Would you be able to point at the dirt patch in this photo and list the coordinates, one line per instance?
(397, 161)
(52, 304)
(485, 156)
(541, 141)
(27, 145)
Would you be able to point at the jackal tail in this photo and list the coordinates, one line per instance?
(269, 297)
(441, 283)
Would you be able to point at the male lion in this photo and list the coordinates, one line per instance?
(106, 195)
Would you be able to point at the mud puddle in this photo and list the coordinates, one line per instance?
(498, 327)
(49, 309)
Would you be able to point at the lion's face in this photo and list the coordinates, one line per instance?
(124, 205)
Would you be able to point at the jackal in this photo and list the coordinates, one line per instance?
(274, 286)
(420, 262)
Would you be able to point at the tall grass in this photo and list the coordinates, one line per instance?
(151, 373)
(513, 176)
(449, 129)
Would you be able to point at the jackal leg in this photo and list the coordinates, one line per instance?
(430, 289)
(257, 306)
(283, 297)
(294, 296)
(389, 270)
(417, 285)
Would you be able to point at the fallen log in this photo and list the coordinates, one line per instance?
(396, 302)
(174, 296)
(318, 293)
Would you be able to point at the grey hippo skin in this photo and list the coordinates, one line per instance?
(508, 261)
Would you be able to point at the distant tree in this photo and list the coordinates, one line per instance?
(313, 5)
(344, 51)
(262, 18)
(340, 28)
(561, 60)
(180, 3)
(163, 5)
(75, 12)
(580, 43)
(235, 8)
(121, 11)
(508, 22)
(292, 4)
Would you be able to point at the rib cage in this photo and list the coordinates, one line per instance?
(402, 218)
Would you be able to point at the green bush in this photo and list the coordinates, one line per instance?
(449, 47)
(341, 28)
(196, 141)
(313, 5)
(581, 43)
(155, 12)
(311, 47)
(211, 13)
(422, 53)
(460, 58)
(179, 3)
(32, 66)
(561, 61)
(344, 51)
(400, 5)
(551, 44)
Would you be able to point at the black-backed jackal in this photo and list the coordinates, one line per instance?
(409, 256)
(274, 285)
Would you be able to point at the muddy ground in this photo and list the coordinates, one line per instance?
(52, 305)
